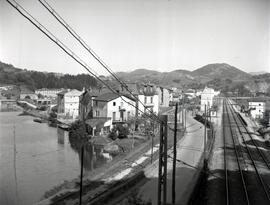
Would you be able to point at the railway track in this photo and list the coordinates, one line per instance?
(254, 189)
(235, 178)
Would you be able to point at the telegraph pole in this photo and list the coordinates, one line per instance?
(162, 168)
(205, 131)
(152, 141)
(174, 153)
(81, 177)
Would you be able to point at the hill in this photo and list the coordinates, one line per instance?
(35, 80)
(217, 75)
(221, 71)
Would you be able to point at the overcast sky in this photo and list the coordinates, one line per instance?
(128, 34)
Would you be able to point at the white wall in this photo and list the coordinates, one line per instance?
(124, 104)
(154, 104)
(259, 109)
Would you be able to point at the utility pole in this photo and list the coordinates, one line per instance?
(174, 153)
(185, 120)
(81, 178)
(162, 169)
(205, 130)
(14, 162)
(152, 141)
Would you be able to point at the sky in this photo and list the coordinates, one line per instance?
(162, 35)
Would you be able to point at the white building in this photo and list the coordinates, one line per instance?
(51, 93)
(146, 96)
(109, 109)
(148, 99)
(164, 96)
(190, 93)
(68, 103)
(111, 105)
(207, 97)
(27, 94)
(257, 109)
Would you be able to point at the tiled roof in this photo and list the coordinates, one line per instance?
(62, 92)
(97, 122)
(111, 96)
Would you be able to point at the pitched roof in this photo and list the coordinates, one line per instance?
(62, 92)
(74, 92)
(106, 97)
(147, 89)
(97, 122)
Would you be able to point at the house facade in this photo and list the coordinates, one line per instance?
(114, 107)
(148, 100)
(164, 96)
(68, 103)
(27, 94)
(207, 97)
(50, 93)
(257, 109)
(87, 103)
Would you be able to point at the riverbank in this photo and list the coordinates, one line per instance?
(123, 166)
(43, 159)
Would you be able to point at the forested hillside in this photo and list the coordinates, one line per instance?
(35, 80)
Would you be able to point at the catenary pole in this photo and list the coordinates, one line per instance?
(81, 177)
(174, 153)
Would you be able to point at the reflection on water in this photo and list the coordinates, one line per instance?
(62, 135)
(93, 157)
(45, 157)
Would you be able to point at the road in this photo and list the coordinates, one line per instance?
(189, 150)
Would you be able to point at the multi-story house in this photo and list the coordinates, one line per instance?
(50, 93)
(68, 103)
(109, 109)
(28, 94)
(148, 100)
(207, 97)
(146, 96)
(117, 107)
(257, 109)
(164, 96)
(87, 102)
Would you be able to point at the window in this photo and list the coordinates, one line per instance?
(96, 103)
(145, 99)
(114, 115)
(151, 99)
(114, 103)
(97, 113)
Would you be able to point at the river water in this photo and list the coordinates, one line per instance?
(35, 157)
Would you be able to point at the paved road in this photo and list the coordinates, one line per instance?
(189, 150)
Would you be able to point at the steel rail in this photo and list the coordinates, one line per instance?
(254, 143)
(249, 154)
(238, 160)
(225, 154)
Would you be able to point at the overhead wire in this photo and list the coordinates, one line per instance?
(67, 50)
(89, 49)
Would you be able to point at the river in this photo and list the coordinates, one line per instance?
(34, 158)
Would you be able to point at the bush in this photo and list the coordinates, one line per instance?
(113, 134)
(119, 131)
(77, 130)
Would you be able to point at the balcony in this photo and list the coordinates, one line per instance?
(122, 108)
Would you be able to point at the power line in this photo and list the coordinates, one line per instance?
(68, 51)
(78, 38)
(87, 47)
